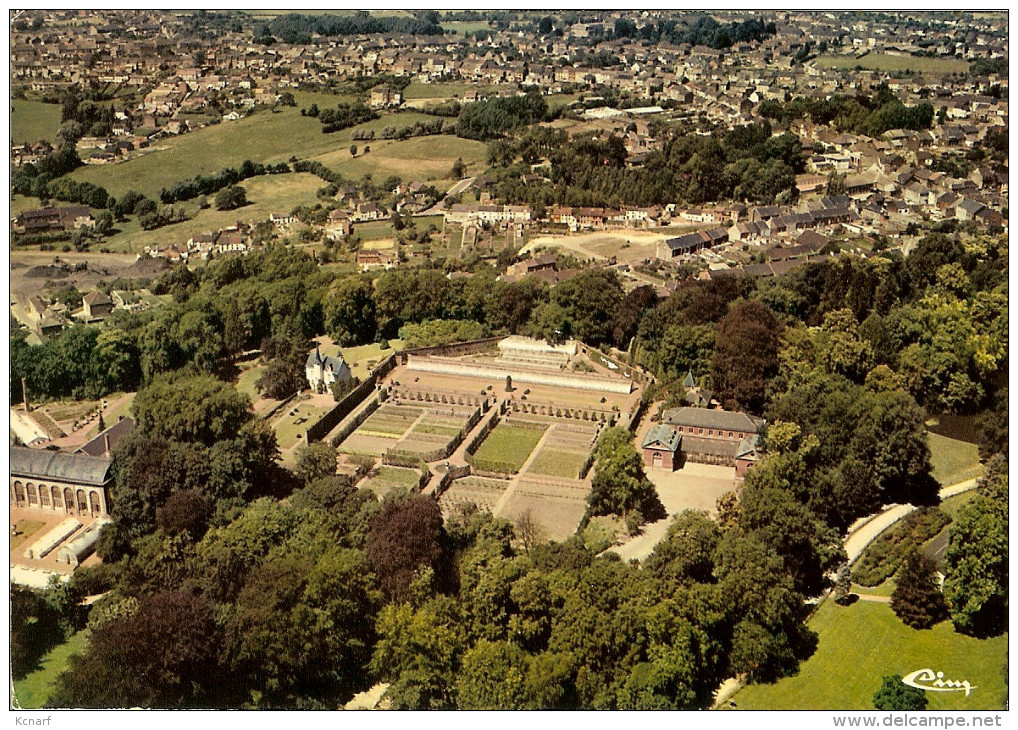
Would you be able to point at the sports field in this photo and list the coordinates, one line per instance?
(861, 643)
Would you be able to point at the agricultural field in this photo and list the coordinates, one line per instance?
(435, 431)
(480, 491)
(509, 445)
(266, 193)
(564, 452)
(35, 689)
(428, 159)
(388, 478)
(557, 506)
(887, 62)
(33, 121)
(381, 431)
(953, 460)
(861, 643)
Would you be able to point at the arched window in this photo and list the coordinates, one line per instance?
(33, 495)
(69, 501)
(19, 494)
(44, 495)
(58, 503)
(82, 502)
(94, 504)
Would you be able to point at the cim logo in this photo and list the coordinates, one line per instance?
(930, 681)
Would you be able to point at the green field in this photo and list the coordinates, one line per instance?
(362, 359)
(953, 460)
(392, 477)
(389, 422)
(427, 159)
(266, 193)
(32, 121)
(462, 27)
(861, 643)
(509, 444)
(33, 691)
(556, 463)
(887, 62)
(290, 429)
(26, 529)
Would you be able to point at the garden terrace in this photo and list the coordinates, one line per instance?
(557, 505)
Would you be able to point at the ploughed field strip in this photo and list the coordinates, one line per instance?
(412, 429)
(556, 505)
(565, 450)
(482, 491)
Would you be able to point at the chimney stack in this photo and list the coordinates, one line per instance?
(106, 443)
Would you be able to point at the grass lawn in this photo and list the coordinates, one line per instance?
(884, 589)
(375, 230)
(27, 529)
(246, 382)
(462, 27)
(290, 429)
(887, 62)
(266, 193)
(32, 121)
(952, 505)
(363, 358)
(556, 463)
(861, 643)
(34, 690)
(953, 460)
(392, 477)
(510, 444)
(123, 409)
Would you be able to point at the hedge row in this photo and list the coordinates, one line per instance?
(882, 559)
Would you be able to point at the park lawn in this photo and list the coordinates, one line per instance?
(35, 689)
(952, 505)
(953, 460)
(510, 444)
(887, 62)
(21, 203)
(266, 193)
(290, 429)
(884, 589)
(557, 463)
(27, 529)
(33, 121)
(862, 643)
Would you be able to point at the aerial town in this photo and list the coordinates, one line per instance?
(509, 360)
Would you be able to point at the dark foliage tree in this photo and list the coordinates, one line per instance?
(164, 655)
(976, 562)
(620, 485)
(745, 355)
(35, 629)
(917, 599)
(185, 511)
(405, 536)
(896, 695)
(231, 198)
(315, 461)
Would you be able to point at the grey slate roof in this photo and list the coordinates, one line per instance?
(664, 435)
(97, 446)
(46, 464)
(712, 418)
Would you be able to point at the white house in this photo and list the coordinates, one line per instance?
(322, 372)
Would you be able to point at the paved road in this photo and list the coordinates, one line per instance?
(857, 540)
(437, 208)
